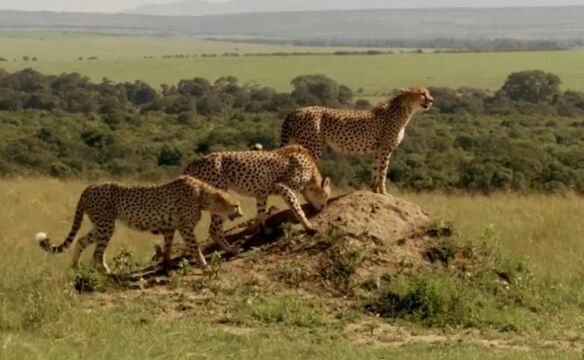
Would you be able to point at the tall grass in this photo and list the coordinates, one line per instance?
(548, 230)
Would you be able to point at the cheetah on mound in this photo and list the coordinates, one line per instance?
(261, 173)
(163, 208)
(378, 131)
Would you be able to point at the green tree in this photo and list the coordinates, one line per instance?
(533, 86)
(317, 90)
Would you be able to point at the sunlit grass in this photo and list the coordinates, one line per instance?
(547, 229)
(42, 318)
(121, 58)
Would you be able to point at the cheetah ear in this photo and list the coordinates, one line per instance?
(326, 182)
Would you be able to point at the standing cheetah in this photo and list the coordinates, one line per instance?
(163, 208)
(260, 173)
(378, 131)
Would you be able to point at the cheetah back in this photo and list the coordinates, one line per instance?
(253, 173)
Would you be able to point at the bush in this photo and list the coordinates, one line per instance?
(471, 140)
(470, 281)
(429, 299)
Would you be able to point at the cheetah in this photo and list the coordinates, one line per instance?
(378, 131)
(261, 173)
(160, 209)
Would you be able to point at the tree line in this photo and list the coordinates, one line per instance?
(456, 44)
(526, 136)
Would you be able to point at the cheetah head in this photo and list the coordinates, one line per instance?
(418, 98)
(225, 205)
(318, 194)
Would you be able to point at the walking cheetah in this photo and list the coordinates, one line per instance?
(260, 173)
(378, 131)
(161, 209)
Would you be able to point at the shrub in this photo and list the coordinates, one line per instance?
(341, 261)
(468, 285)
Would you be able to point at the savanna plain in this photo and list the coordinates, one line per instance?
(158, 61)
(456, 308)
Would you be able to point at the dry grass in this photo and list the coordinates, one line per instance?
(40, 317)
(547, 229)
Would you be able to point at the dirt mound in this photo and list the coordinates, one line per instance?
(373, 216)
(360, 215)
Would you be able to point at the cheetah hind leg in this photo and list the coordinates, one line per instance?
(167, 247)
(103, 235)
(82, 243)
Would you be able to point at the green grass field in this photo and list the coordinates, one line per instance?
(42, 318)
(121, 58)
(56, 46)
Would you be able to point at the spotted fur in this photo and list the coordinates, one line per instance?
(261, 173)
(378, 131)
(164, 209)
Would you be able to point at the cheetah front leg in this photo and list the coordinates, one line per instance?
(294, 204)
(380, 168)
(262, 214)
(192, 246)
(216, 233)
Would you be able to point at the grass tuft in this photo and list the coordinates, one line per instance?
(341, 261)
(285, 311)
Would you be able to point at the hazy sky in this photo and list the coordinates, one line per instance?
(120, 5)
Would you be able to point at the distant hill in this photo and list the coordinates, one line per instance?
(519, 23)
(202, 7)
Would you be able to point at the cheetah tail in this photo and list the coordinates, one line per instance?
(45, 243)
(286, 130)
